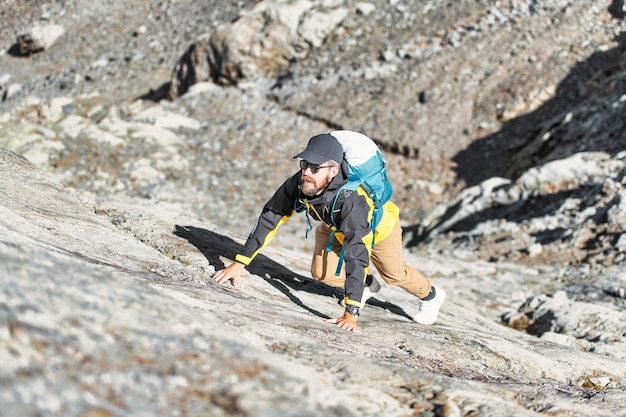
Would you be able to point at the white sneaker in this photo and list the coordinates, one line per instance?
(429, 310)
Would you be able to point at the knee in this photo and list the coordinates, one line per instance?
(317, 274)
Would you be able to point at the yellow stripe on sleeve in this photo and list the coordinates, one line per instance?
(245, 260)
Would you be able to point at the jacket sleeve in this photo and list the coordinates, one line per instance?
(276, 211)
(355, 216)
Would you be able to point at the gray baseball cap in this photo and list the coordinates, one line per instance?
(322, 148)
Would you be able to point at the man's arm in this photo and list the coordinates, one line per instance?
(276, 211)
(357, 249)
(357, 245)
(262, 234)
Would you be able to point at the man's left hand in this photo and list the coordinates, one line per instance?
(347, 322)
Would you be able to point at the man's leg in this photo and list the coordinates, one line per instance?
(324, 264)
(389, 262)
(387, 257)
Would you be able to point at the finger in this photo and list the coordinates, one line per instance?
(332, 321)
(349, 327)
(221, 278)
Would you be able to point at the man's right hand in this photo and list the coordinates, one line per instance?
(231, 273)
(347, 322)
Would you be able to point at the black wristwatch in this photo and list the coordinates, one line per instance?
(354, 310)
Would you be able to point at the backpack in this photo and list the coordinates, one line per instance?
(366, 168)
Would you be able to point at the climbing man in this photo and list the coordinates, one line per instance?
(353, 231)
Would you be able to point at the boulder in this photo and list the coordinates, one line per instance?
(38, 38)
(573, 205)
(260, 43)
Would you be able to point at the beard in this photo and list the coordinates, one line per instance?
(311, 188)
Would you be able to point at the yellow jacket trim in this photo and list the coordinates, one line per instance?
(350, 302)
(246, 260)
(243, 259)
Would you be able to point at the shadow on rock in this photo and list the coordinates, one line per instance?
(391, 307)
(213, 245)
(14, 51)
(617, 9)
(568, 120)
(157, 95)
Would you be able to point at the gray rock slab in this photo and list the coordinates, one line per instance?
(122, 320)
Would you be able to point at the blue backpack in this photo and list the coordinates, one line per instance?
(366, 168)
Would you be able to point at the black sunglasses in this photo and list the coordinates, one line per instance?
(315, 168)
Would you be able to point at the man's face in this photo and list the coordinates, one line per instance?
(314, 183)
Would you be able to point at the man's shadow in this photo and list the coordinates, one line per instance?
(213, 245)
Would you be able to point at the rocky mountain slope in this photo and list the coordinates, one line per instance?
(502, 124)
(105, 321)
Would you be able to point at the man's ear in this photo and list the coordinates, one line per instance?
(334, 171)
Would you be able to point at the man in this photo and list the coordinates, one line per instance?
(313, 189)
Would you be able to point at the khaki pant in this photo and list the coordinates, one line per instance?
(386, 257)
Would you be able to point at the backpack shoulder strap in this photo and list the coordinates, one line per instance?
(340, 198)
